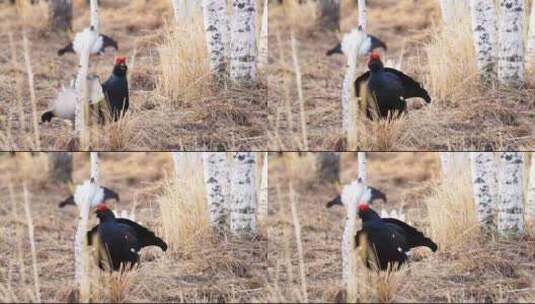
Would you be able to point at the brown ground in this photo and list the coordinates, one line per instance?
(231, 119)
(475, 118)
(463, 269)
(230, 270)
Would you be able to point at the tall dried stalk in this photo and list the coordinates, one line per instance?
(37, 143)
(32, 242)
(297, 230)
(299, 83)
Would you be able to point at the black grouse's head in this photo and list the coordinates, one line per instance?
(103, 212)
(120, 67)
(47, 116)
(366, 214)
(375, 64)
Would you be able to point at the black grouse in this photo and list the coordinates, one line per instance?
(375, 195)
(116, 89)
(372, 43)
(389, 88)
(389, 239)
(118, 240)
(108, 195)
(97, 48)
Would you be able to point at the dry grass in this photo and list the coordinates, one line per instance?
(464, 269)
(464, 114)
(170, 89)
(229, 270)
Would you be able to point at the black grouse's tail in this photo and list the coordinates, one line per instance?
(108, 42)
(160, 243)
(67, 49)
(414, 237)
(336, 50)
(429, 243)
(336, 201)
(68, 201)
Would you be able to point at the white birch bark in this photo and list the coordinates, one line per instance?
(445, 8)
(90, 35)
(531, 190)
(363, 14)
(511, 194)
(484, 31)
(178, 8)
(530, 49)
(84, 197)
(511, 43)
(445, 162)
(243, 42)
(484, 186)
(350, 44)
(214, 164)
(94, 15)
(263, 39)
(95, 167)
(263, 195)
(243, 195)
(351, 195)
(214, 26)
(363, 173)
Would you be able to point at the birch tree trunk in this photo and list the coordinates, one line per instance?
(511, 43)
(511, 196)
(484, 185)
(214, 26)
(445, 9)
(263, 196)
(243, 42)
(531, 190)
(243, 202)
(484, 31)
(351, 195)
(263, 40)
(81, 102)
(363, 14)
(179, 10)
(348, 110)
(329, 15)
(530, 50)
(445, 162)
(60, 15)
(214, 179)
(328, 167)
(95, 167)
(94, 16)
(363, 175)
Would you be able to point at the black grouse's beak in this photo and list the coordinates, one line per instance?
(336, 201)
(336, 50)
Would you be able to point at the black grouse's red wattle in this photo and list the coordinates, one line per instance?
(389, 88)
(108, 195)
(375, 195)
(116, 89)
(119, 240)
(389, 239)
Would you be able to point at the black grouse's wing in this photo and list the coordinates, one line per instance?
(411, 87)
(361, 80)
(110, 194)
(108, 42)
(336, 201)
(377, 194)
(68, 201)
(144, 235)
(414, 237)
(90, 234)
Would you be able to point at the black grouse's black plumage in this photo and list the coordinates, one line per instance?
(108, 195)
(372, 44)
(389, 88)
(116, 89)
(119, 240)
(375, 195)
(389, 239)
(106, 43)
